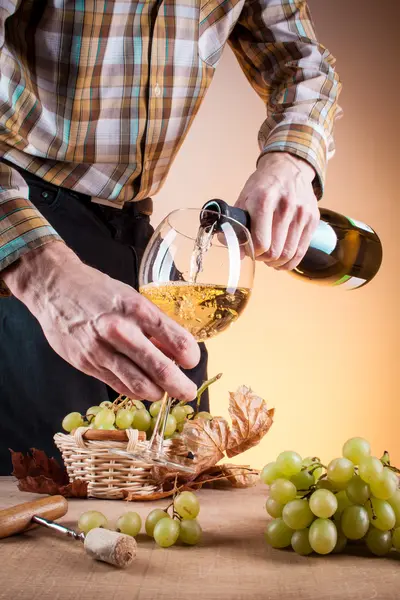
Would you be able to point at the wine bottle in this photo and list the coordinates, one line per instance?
(343, 252)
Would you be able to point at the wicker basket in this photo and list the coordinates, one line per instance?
(86, 456)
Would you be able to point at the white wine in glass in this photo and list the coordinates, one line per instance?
(200, 277)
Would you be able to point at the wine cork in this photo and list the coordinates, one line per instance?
(111, 547)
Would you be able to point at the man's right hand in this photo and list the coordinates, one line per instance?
(104, 327)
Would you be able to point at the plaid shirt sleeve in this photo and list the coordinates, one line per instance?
(276, 46)
(22, 227)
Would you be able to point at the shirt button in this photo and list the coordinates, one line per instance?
(157, 90)
(45, 195)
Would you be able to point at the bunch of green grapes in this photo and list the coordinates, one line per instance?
(318, 508)
(125, 413)
(167, 530)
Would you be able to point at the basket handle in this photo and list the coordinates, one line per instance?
(100, 435)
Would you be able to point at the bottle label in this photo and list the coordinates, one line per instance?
(324, 238)
(361, 225)
(350, 283)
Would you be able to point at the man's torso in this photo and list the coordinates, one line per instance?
(98, 96)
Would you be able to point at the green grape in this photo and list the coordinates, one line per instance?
(92, 412)
(300, 542)
(381, 514)
(187, 505)
(170, 426)
(274, 508)
(343, 502)
(303, 480)
(129, 523)
(378, 542)
(341, 542)
(180, 426)
(166, 532)
(323, 504)
(297, 514)
(370, 469)
(106, 404)
(354, 522)
(323, 536)
(357, 490)
(317, 472)
(289, 463)
(190, 532)
(385, 486)
(90, 520)
(283, 491)
(392, 475)
(394, 502)
(155, 408)
(325, 484)
(104, 419)
(179, 413)
(396, 538)
(340, 470)
(204, 415)
(72, 421)
(138, 405)
(270, 473)
(356, 449)
(141, 420)
(152, 519)
(189, 410)
(124, 418)
(278, 534)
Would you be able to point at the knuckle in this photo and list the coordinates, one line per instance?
(272, 254)
(139, 387)
(163, 372)
(287, 253)
(285, 205)
(182, 344)
(83, 363)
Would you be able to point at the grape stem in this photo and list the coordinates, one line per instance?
(201, 391)
(372, 509)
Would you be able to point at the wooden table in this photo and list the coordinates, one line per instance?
(232, 563)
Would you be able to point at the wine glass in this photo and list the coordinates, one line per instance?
(201, 276)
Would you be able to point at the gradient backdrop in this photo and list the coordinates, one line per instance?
(326, 359)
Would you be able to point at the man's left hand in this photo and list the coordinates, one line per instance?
(283, 208)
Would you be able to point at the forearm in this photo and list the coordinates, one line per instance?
(36, 271)
(295, 76)
(22, 228)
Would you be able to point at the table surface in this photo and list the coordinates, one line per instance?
(233, 561)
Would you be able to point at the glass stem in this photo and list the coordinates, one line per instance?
(157, 438)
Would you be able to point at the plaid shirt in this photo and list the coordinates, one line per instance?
(97, 96)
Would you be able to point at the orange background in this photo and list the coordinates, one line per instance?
(327, 360)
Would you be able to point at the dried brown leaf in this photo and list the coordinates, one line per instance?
(39, 474)
(251, 420)
(207, 440)
(240, 476)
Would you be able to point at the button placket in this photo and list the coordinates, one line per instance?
(155, 96)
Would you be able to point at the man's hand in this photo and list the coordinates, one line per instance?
(102, 326)
(283, 208)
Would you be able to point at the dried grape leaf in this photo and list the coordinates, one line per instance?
(207, 440)
(251, 420)
(39, 474)
(240, 476)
